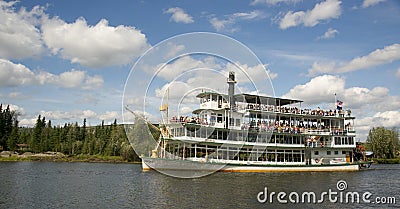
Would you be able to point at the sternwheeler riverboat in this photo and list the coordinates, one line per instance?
(253, 133)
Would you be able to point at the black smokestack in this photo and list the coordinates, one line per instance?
(231, 89)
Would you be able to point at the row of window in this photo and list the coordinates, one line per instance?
(329, 152)
(344, 140)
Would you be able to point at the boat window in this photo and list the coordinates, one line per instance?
(237, 122)
(328, 152)
(231, 121)
(343, 152)
(316, 153)
(219, 118)
(336, 152)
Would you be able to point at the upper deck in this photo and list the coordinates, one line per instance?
(265, 104)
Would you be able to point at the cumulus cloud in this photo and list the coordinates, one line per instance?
(330, 33)
(12, 74)
(95, 46)
(179, 15)
(388, 119)
(72, 116)
(369, 3)
(250, 73)
(326, 10)
(177, 67)
(25, 34)
(323, 89)
(378, 57)
(274, 2)
(318, 90)
(19, 35)
(372, 107)
(226, 23)
(16, 108)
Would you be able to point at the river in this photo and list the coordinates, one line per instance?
(106, 185)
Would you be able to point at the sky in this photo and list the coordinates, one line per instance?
(70, 60)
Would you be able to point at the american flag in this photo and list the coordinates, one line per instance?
(339, 104)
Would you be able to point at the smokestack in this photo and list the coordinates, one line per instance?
(231, 89)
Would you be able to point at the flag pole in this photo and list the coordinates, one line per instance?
(335, 104)
(335, 101)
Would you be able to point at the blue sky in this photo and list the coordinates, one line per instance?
(69, 60)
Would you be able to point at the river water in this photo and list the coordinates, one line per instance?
(105, 185)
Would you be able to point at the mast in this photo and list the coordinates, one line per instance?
(231, 90)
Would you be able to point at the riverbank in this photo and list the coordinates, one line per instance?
(386, 161)
(60, 157)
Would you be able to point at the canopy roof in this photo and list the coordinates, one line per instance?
(207, 93)
(255, 99)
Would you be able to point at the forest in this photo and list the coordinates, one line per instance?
(70, 139)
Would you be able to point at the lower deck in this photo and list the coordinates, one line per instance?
(239, 154)
(205, 168)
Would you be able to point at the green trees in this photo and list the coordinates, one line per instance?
(70, 139)
(73, 139)
(8, 128)
(383, 142)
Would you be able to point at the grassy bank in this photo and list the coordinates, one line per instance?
(386, 161)
(76, 158)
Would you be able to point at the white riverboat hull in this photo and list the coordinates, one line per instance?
(199, 167)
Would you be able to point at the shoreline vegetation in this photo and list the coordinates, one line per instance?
(60, 157)
(7, 156)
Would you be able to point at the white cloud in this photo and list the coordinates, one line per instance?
(184, 63)
(221, 25)
(322, 11)
(19, 36)
(318, 90)
(72, 116)
(330, 33)
(372, 107)
(16, 108)
(109, 116)
(369, 3)
(15, 74)
(226, 24)
(173, 50)
(388, 119)
(100, 45)
(254, 73)
(378, 57)
(12, 74)
(27, 122)
(179, 15)
(274, 2)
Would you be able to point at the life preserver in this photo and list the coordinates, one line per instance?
(316, 160)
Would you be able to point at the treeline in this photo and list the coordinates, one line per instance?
(70, 139)
(9, 131)
(383, 142)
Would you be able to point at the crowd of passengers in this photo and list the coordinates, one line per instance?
(186, 119)
(276, 126)
(294, 110)
(280, 127)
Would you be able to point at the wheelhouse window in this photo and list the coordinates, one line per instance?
(219, 118)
